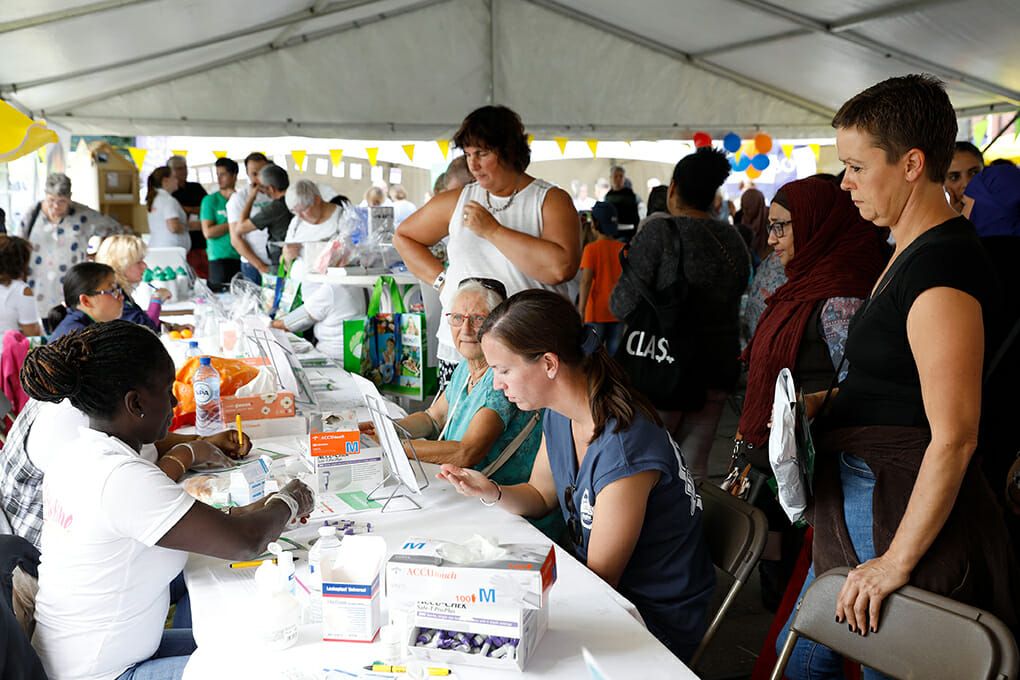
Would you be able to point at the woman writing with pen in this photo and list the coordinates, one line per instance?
(116, 528)
(633, 514)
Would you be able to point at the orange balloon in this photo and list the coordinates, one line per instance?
(753, 173)
(762, 142)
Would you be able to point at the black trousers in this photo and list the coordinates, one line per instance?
(221, 271)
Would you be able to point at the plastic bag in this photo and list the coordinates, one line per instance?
(789, 470)
(233, 374)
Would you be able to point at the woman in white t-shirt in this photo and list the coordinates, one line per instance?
(168, 223)
(506, 225)
(116, 529)
(315, 219)
(18, 311)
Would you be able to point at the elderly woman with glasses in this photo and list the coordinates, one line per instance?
(471, 424)
(91, 295)
(605, 463)
(59, 230)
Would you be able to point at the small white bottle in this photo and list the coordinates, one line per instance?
(322, 551)
(280, 612)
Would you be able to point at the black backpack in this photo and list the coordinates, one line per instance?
(659, 350)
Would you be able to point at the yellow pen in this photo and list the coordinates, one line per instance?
(380, 668)
(247, 564)
(240, 437)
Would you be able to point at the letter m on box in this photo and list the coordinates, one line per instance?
(487, 595)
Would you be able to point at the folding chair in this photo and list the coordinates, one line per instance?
(920, 635)
(736, 533)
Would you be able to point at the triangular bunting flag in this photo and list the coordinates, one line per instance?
(531, 138)
(788, 150)
(180, 152)
(372, 152)
(593, 144)
(562, 143)
(444, 147)
(409, 150)
(299, 159)
(336, 155)
(219, 154)
(816, 149)
(137, 155)
(41, 153)
(980, 130)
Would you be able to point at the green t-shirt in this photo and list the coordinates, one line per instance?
(214, 209)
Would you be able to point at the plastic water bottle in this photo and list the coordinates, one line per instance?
(280, 611)
(170, 281)
(323, 551)
(208, 410)
(183, 284)
(193, 350)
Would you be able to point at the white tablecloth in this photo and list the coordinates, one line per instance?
(584, 611)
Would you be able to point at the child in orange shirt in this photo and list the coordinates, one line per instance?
(600, 270)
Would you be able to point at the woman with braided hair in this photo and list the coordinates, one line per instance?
(116, 529)
(633, 514)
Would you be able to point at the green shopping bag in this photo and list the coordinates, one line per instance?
(280, 292)
(380, 348)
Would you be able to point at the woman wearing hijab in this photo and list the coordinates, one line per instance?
(754, 217)
(832, 257)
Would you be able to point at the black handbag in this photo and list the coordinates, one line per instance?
(659, 348)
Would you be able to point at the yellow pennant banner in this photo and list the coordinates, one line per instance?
(816, 149)
(593, 144)
(562, 143)
(531, 138)
(373, 153)
(219, 154)
(180, 152)
(299, 159)
(336, 155)
(137, 155)
(409, 150)
(444, 147)
(788, 150)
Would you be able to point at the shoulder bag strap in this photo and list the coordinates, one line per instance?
(729, 260)
(512, 447)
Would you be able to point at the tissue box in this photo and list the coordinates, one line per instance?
(350, 590)
(521, 577)
(259, 406)
(506, 596)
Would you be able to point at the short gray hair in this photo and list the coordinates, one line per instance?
(58, 184)
(176, 161)
(274, 176)
(491, 297)
(302, 194)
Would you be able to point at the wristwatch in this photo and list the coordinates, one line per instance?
(440, 280)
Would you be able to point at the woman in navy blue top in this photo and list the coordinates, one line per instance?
(91, 295)
(632, 511)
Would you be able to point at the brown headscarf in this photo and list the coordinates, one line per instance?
(755, 216)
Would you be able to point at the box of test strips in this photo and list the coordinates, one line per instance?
(343, 468)
(351, 590)
(482, 591)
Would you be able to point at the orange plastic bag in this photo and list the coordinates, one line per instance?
(233, 374)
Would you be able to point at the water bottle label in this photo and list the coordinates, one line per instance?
(203, 393)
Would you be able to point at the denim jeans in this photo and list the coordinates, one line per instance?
(249, 272)
(611, 333)
(170, 658)
(810, 660)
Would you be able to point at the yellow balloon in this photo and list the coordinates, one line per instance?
(762, 142)
(753, 173)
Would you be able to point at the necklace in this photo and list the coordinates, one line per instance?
(472, 380)
(493, 209)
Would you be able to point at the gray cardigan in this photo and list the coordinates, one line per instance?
(716, 282)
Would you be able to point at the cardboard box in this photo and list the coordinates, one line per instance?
(506, 596)
(345, 471)
(259, 406)
(350, 590)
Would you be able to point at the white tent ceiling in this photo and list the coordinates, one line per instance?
(411, 69)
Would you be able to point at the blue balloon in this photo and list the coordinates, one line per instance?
(743, 164)
(731, 142)
(760, 162)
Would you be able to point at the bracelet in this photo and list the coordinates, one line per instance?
(499, 496)
(440, 280)
(184, 470)
(286, 500)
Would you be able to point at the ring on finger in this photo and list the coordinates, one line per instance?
(464, 217)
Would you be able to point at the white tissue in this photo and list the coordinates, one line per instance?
(263, 383)
(475, 549)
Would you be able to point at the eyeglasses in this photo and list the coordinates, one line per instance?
(489, 284)
(574, 523)
(115, 292)
(457, 320)
(779, 227)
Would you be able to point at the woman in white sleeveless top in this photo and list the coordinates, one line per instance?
(506, 225)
